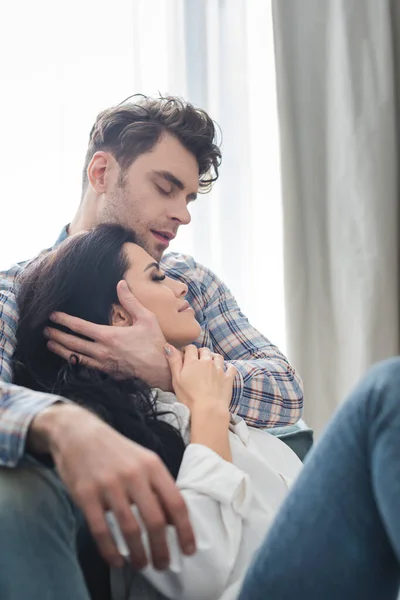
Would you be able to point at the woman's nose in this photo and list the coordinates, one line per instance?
(183, 290)
(179, 288)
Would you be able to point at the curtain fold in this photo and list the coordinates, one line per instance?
(337, 64)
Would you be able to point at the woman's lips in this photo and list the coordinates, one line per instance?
(185, 306)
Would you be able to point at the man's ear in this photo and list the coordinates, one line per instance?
(120, 317)
(98, 170)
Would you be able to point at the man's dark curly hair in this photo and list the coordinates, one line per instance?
(133, 128)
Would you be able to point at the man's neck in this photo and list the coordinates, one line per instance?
(85, 217)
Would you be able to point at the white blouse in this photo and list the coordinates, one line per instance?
(231, 507)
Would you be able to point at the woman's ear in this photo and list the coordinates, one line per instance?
(120, 317)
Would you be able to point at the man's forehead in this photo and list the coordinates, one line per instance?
(170, 156)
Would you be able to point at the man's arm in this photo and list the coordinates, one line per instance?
(18, 406)
(267, 390)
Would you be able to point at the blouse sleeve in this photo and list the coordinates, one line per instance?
(218, 496)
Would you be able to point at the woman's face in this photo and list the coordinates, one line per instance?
(162, 295)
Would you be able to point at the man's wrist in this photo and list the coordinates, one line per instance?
(46, 427)
(157, 373)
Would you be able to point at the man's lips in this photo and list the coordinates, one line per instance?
(163, 236)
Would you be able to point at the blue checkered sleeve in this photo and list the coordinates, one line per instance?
(267, 390)
(18, 406)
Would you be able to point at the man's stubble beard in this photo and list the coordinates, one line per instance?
(110, 214)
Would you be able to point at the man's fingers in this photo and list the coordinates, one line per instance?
(176, 510)
(71, 343)
(66, 354)
(91, 330)
(129, 302)
(155, 522)
(94, 513)
(83, 360)
(129, 527)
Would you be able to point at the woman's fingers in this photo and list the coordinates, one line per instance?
(219, 361)
(231, 372)
(174, 359)
(191, 353)
(205, 354)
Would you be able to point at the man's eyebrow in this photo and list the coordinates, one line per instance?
(150, 265)
(175, 181)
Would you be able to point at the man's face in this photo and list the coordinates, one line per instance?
(154, 194)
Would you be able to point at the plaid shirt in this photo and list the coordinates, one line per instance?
(267, 391)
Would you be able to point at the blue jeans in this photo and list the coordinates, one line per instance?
(337, 536)
(39, 529)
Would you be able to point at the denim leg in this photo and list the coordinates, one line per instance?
(337, 535)
(38, 526)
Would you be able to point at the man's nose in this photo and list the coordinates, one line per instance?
(180, 212)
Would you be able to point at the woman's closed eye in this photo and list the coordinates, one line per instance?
(158, 277)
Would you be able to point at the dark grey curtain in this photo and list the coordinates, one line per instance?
(337, 76)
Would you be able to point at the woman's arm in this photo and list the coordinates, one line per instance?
(200, 382)
(210, 428)
(217, 493)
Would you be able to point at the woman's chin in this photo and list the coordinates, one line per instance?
(186, 337)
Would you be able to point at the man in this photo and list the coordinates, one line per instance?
(145, 163)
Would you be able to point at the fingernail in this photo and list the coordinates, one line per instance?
(50, 345)
(168, 350)
(46, 332)
(190, 549)
(53, 317)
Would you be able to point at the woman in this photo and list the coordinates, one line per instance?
(233, 478)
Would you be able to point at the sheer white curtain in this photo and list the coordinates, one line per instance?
(67, 61)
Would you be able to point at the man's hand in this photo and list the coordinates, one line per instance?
(123, 352)
(102, 471)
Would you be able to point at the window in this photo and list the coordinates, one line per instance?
(68, 61)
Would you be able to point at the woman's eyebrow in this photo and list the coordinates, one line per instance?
(152, 264)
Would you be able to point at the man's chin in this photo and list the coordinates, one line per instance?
(155, 250)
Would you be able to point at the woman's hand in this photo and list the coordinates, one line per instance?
(198, 378)
(200, 382)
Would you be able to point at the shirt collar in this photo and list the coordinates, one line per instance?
(63, 236)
